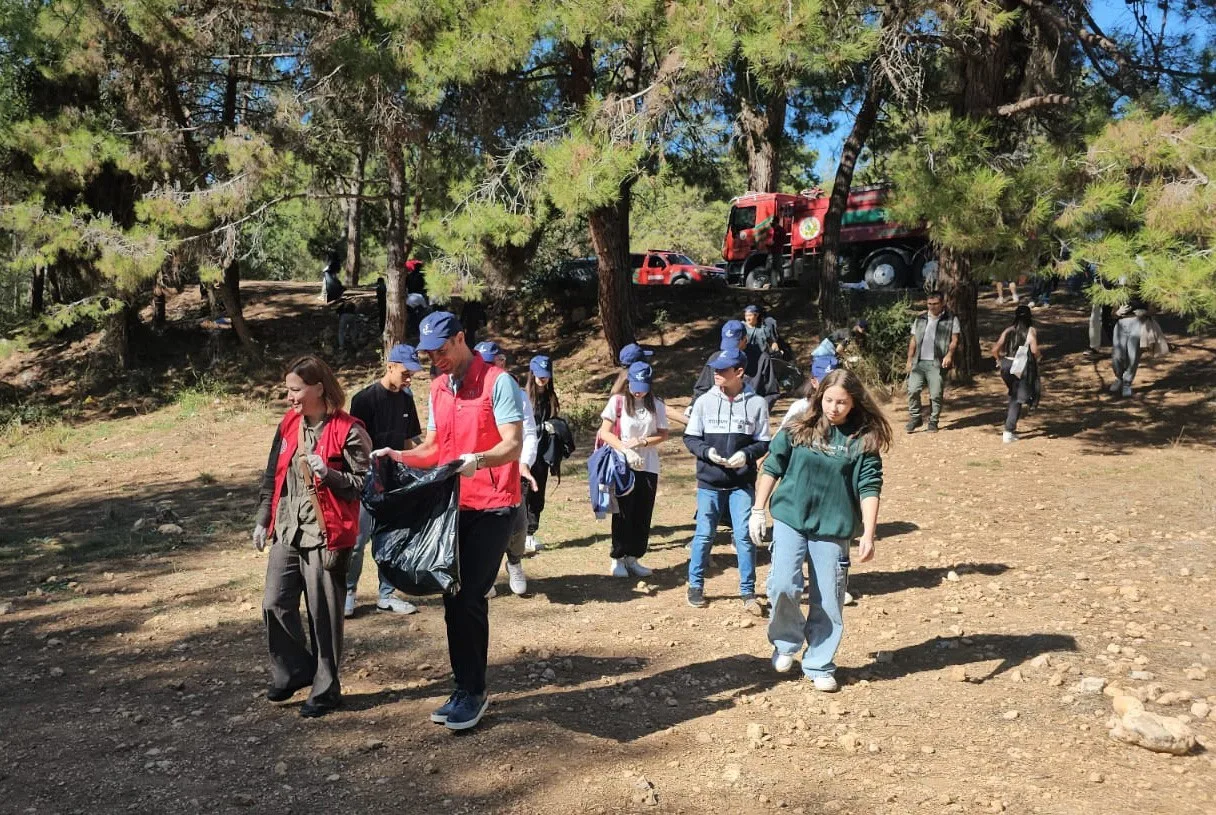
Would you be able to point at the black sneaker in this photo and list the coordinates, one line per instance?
(321, 706)
(696, 597)
(912, 425)
(932, 428)
(274, 694)
(440, 716)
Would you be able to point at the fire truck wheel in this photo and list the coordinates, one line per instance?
(886, 270)
(757, 279)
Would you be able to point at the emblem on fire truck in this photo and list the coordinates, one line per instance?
(808, 228)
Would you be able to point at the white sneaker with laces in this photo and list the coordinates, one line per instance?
(782, 662)
(532, 545)
(396, 605)
(635, 568)
(619, 569)
(1008, 437)
(826, 684)
(517, 578)
(348, 610)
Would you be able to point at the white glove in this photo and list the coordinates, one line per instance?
(755, 525)
(317, 465)
(634, 459)
(548, 428)
(713, 456)
(737, 461)
(385, 451)
(259, 537)
(468, 465)
(687, 411)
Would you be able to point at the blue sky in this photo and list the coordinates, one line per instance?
(1112, 16)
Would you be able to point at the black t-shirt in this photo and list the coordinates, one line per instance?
(390, 417)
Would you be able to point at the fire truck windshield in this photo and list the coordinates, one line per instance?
(742, 218)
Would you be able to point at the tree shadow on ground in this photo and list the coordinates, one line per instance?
(870, 584)
(1011, 649)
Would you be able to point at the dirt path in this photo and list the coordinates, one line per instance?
(1005, 575)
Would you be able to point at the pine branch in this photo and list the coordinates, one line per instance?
(1033, 102)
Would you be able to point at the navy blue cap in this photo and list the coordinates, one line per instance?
(489, 351)
(437, 328)
(822, 365)
(728, 358)
(632, 353)
(751, 309)
(732, 332)
(863, 324)
(405, 355)
(541, 367)
(640, 375)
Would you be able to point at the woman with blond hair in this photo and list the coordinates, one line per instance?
(309, 512)
(824, 476)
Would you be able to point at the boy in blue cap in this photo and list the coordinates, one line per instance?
(386, 408)
(758, 376)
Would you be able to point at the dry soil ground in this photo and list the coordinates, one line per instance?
(134, 662)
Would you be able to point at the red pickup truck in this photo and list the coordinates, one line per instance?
(658, 268)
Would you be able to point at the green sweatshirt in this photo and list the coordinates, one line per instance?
(821, 489)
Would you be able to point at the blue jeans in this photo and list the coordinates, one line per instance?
(710, 504)
(823, 626)
(366, 524)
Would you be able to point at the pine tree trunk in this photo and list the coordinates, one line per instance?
(609, 228)
(158, 302)
(762, 123)
(37, 287)
(961, 295)
(395, 234)
(354, 220)
(230, 293)
(830, 304)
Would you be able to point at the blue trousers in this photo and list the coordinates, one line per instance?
(710, 504)
(823, 626)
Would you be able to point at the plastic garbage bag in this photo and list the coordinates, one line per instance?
(416, 539)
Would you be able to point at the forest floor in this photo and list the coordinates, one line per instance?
(1006, 574)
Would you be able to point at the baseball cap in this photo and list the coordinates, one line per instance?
(822, 365)
(437, 328)
(728, 358)
(640, 375)
(732, 332)
(863, 324)
(489, 351)
(415, 300)
(751, 309)
(632, 353)
(541, 367)
(405, 355)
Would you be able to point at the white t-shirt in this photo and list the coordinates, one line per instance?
(641, 423)
(926, 344)
(799, 407)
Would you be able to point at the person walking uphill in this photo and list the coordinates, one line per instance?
(1017, 358)
(930, 352)
(728, 433)
(476, 415)
(824, 477)
(309, 513)
(386, 408)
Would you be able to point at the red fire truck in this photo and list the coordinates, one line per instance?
(774, 239)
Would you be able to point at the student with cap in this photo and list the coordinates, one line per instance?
(635, 423)
(758, 376)
(386, 408)
(476, 416)
(761, 334)
(728, 433)
(628, 355)
(540, 393)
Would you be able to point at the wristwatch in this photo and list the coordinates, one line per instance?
(480, 459)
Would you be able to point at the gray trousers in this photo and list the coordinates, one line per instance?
(296, 661)
(926, 372)
(1125, 349)
(1095, 326)
(519, 533)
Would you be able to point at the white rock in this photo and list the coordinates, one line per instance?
(170, 529)
(1200, 710)
(1127, 704)
(1010, 715)
(952, 576)
(1090, 684)
(1161, 734)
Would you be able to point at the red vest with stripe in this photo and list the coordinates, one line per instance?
(465, 423)
(341, 516)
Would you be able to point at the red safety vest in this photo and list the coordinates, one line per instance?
(464, 423)
(341, 516)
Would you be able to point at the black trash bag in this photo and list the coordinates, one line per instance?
(416, 539)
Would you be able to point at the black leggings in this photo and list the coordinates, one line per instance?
(536, 497)
(631, 526)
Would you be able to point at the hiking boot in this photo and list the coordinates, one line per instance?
(618, 568)
(440, 715)
(396, 605)
(912, 425)
(348, 608)
(825, 684)
(696, 597)
(517, 579)
(467, 711)
(635, 568)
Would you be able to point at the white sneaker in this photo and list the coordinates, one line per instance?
(827, 684)
(849, 599)
(532, 545)
(635, 568)
(517, 578)
(1009, 437)
(492, 593)
(348, 610)
(619, 569)
(1116, 386)
(1127, 390)
(782, 662)
(396, 605)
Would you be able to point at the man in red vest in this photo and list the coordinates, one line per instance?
(476, 415)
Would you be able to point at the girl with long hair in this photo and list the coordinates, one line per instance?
(824, 476)
(546, 406)
(1024, 387)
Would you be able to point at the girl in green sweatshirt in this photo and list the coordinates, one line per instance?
(829, 465)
